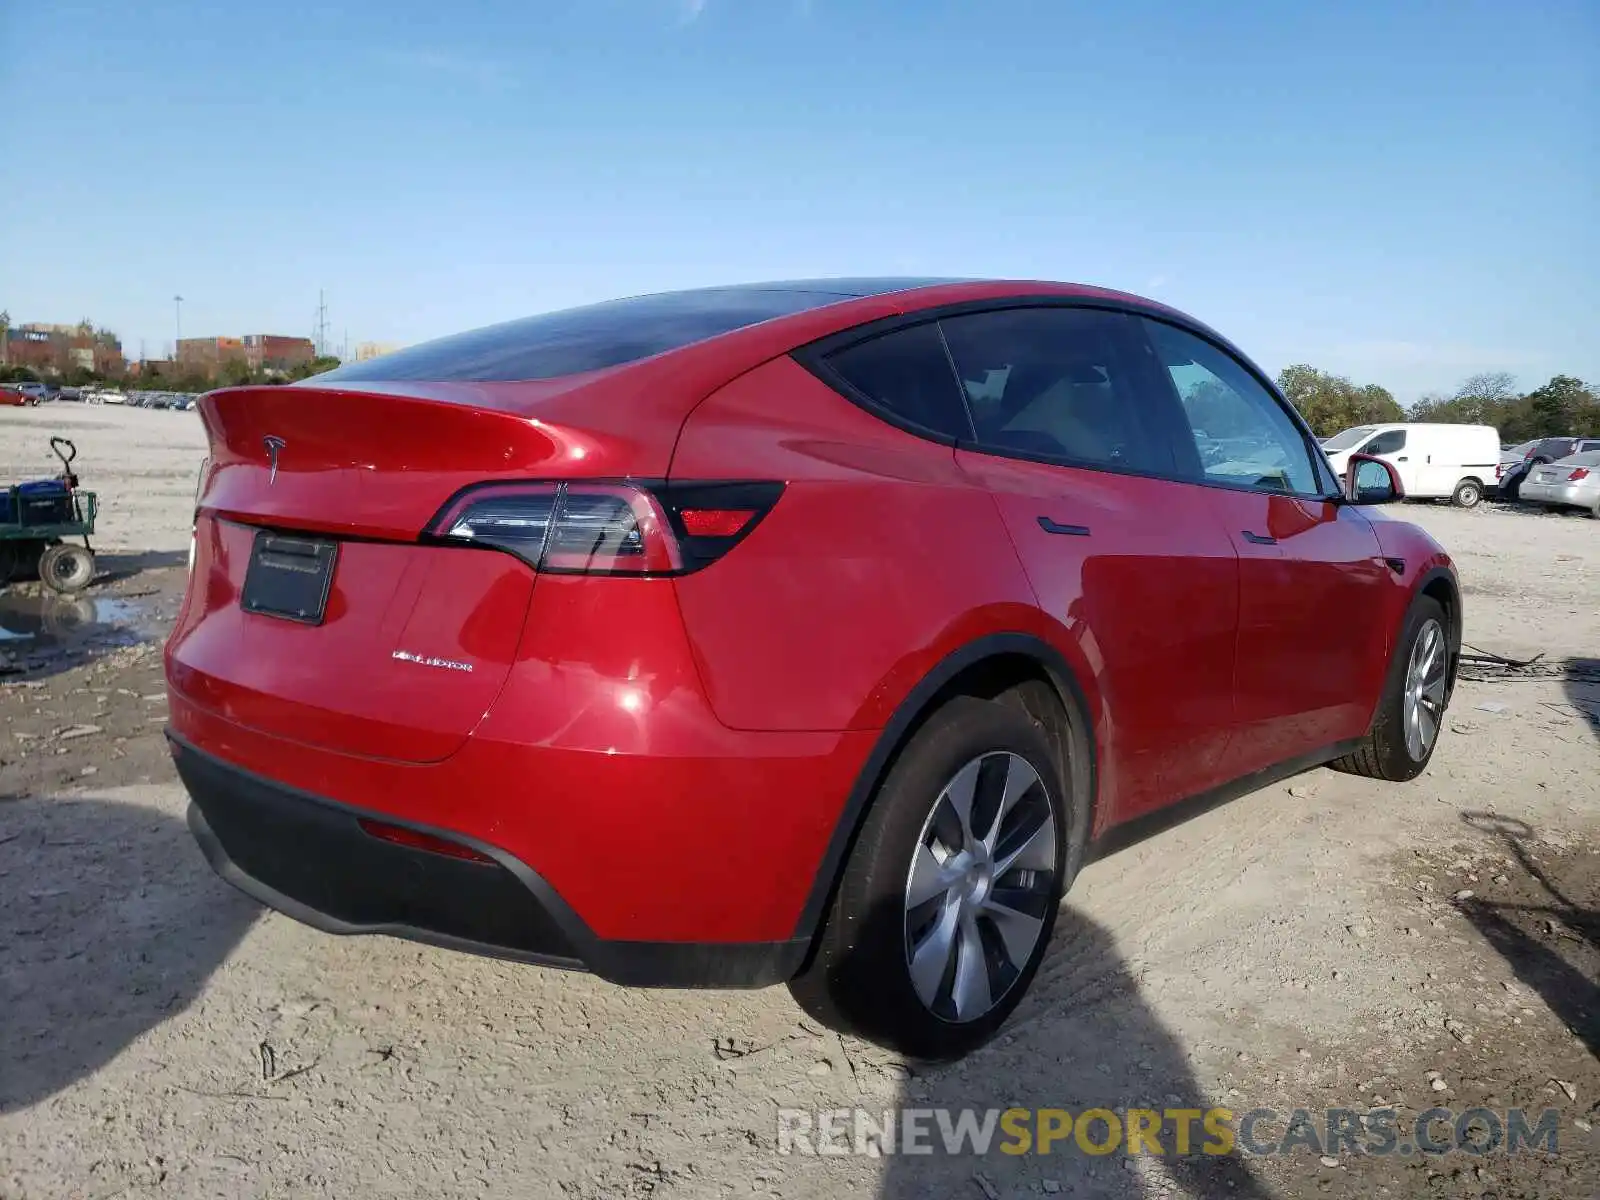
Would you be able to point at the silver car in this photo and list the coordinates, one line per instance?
(1573, 482)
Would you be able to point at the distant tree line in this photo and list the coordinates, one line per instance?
(1563, 406)
(234, 373)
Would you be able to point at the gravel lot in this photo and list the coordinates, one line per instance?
(1328, 942)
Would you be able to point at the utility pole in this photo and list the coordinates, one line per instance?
(177, 324)
(322, 323)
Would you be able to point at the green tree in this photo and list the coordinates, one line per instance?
(1565, 405)
(324, 362)
(235, 373)
(1330, 402)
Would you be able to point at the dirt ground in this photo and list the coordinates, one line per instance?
(1325, 943)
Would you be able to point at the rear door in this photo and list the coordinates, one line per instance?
(1126, 559)
(1313, 583)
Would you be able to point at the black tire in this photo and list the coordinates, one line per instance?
(1383, 753)
(1468, 494)
(859, 979)
(66, 568)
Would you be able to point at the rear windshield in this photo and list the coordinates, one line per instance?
(1347, 438)
(583, 339)
(1589, 458)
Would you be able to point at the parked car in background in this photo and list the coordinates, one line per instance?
(1571, 482)
(801, 632)
(1435, 461)
(31, 393)
(1537, 454)
(10, 397)
(1510, 458)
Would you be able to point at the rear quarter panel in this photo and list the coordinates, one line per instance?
(880, 559)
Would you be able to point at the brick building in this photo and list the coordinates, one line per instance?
(207, 355)
(57, 349)
(276, 353)
(259, 351)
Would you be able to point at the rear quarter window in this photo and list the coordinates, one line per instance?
(906, 375)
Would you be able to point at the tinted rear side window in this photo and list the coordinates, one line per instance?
(907, 374)
(1058, 384)
(583, 339)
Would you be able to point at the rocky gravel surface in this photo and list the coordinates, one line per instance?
(1328, 943)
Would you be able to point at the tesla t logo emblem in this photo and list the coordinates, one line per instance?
(273, 444)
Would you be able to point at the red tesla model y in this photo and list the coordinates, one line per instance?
(799, 632)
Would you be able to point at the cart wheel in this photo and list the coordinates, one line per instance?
(66, 568)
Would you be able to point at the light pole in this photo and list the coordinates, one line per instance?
(177, 325)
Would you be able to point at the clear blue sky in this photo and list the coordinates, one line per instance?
(1406, 193)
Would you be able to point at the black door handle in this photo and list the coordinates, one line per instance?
(1049, 526)
(1402, 458)
(1258, 539)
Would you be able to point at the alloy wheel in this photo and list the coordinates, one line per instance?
(983, 875)
(1423, 707)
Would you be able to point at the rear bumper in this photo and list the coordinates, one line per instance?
(1559, 493)
(309, 858)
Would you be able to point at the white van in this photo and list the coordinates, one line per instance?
(1434, 461)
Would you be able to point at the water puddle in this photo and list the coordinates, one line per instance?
(45, 618)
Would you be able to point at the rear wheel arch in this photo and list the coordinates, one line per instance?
(1440, 585)
(1014, 668)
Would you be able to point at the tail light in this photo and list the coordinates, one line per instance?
(605, 527)
(1499, 472)
(1578, 473)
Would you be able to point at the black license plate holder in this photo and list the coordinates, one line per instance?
(289, 577)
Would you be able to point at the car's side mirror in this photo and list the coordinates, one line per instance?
(1369, 480)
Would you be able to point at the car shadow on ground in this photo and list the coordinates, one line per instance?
(1084, 1039)
(110, 924)
(1583, 690)
(114, 566)
(1548, 936)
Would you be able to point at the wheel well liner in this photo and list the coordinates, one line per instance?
(1439, 584)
